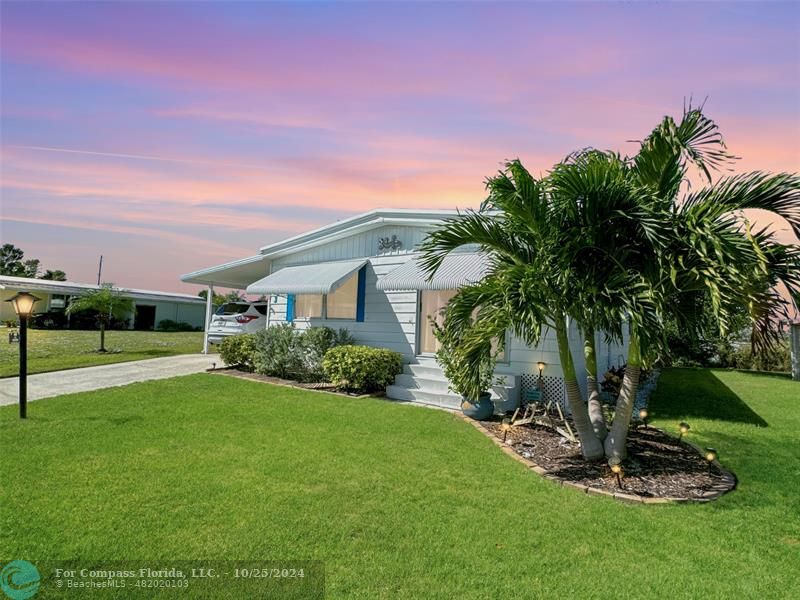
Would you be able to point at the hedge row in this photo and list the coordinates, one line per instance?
(312, 355)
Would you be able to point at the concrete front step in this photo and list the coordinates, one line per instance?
(451, 401)
(424, 382)
(437, 385)
(428, 369)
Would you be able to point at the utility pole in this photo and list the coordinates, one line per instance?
(100, 270)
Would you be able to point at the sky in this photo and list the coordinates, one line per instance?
(172, 136)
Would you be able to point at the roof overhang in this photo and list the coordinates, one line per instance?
(357, 224)
(235, 274)
(457, 270)
(319, 278)
(72, 288)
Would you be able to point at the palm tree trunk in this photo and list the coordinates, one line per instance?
(102, 336)
(591, 446)
(594, 405)
(618, 436)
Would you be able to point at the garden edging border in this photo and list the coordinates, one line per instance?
(236, 373)
(714, 493)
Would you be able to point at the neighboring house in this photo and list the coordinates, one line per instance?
(150, 308)
(361, 274)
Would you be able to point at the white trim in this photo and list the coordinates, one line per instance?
(358, 223)
(74, 289)
(209, 306)
(202, 275)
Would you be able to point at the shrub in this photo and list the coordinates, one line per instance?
(170, 325)
(49, 320)
(361, 368)
(238, 351)
(278, 352)
(469, 367)
(778, 359)
(282, 351)
(314, 344)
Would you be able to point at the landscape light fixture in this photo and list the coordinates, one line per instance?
(710, 455)
(23, 305)
(505, 427)
(643, 416)
(684, 429)
(616, 468)
(541, 365)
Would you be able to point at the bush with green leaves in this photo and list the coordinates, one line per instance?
(238, 351)
(361, 368)
(466, 357)
(315, 343)
(170, 325)
(777, 359)
(283, 351)
(278, 352)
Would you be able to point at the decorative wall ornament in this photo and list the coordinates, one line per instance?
(389, 243)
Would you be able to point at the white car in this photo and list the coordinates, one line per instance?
(233, 318)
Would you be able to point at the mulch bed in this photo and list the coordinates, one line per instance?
(657, 466)
(321, 386)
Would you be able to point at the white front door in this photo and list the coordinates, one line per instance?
(431, 302)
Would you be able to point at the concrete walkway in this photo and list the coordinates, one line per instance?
(46, 385)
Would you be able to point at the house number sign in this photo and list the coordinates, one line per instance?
(389, 243)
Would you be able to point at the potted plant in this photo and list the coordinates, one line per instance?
(468, 363)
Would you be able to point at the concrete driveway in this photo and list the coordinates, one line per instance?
(47, 385)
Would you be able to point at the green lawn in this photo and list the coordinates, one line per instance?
(397, 501)
(54, 350)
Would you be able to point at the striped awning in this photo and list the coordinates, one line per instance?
(457, 270)
(319, 278)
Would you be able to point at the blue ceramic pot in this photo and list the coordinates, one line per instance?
(481, 410)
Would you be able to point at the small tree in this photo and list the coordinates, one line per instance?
(107, 302)
(12, 263)
(218, 300)
(54, 275)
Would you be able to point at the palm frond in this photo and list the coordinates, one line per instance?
(664, 155)
(779, 194)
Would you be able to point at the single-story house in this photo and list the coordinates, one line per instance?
(150, 307)
(361, 274)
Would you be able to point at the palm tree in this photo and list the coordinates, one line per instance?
(709, 249)
(107, 302)
(530, 285)
(603, 240)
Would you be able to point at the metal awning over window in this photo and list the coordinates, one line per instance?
(457, 270)
(320, 278)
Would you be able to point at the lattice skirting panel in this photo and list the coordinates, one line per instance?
(553, 387)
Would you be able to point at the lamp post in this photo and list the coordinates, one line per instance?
(540, 383)
(616, 469)
(23, 305)
(506, 426)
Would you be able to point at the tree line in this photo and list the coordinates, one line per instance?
(14, 264)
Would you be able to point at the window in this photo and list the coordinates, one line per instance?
(308, 306)
(346, 302)
(343, 301)
(232, 308)
(58, 301)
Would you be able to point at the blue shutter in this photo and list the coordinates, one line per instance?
(361, 293)
(290, 308)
